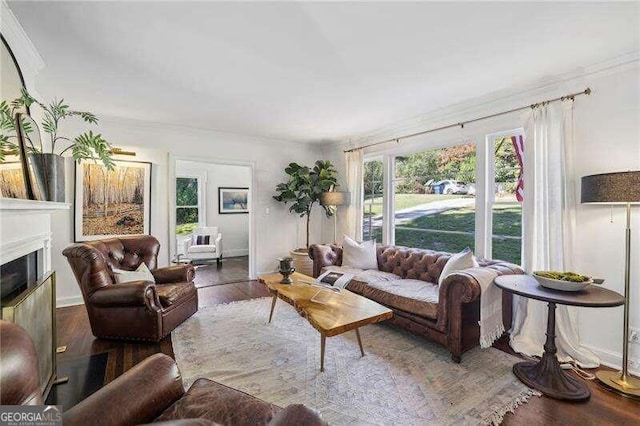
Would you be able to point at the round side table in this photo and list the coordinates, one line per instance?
(546, 375)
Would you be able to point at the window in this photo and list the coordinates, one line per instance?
(434, 203)
(506, 238)
(372, 212)
(188, 209)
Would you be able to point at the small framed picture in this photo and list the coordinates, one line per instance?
(112, 202)
(233, 200)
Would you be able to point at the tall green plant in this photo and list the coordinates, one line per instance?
(304, 187)
(87, 146)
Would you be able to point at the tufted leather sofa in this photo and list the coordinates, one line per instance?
(152, 391)
(137, 310)
(447, 314)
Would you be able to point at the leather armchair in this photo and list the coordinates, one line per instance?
(151, 391)
(137, 310)
(204, 244)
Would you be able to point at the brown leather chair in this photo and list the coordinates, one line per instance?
(137, 310)
(152, 391)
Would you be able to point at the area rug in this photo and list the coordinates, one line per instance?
(402, 379)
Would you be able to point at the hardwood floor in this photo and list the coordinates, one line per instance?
(74, 331)
(233, 270)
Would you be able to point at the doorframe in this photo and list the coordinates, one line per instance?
(253, 229)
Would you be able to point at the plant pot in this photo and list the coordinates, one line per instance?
(48, 171)
(302, 262)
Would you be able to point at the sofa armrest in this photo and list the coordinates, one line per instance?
(297, 414)
(218, 244)
(138, 396)
(459, 287)
(134, 293)
(324, 255)
(174, 274)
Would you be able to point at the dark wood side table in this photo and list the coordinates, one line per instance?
(546, 375)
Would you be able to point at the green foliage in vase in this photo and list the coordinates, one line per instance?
(304, 187)
(87, 146)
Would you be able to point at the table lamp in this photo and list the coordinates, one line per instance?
(617, 188)
(335, 199)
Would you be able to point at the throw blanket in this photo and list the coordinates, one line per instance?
(491, 326)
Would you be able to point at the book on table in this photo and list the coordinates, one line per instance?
(332, 281)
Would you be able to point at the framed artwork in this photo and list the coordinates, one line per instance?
(112, 203)
(12, 178)
(15, 178)
(233, 200)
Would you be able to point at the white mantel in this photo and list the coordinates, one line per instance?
(25, 226)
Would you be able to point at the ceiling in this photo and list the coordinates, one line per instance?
(309, 72)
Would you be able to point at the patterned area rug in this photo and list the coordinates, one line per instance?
(402, 379)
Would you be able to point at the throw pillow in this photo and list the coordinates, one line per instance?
(141, 274)
(359, 255)
(463, 260)
(203, 240)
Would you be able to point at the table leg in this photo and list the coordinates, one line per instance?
(359, 341)
(546, 375)
(273, 305)
(322, 346)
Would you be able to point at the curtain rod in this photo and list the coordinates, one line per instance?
(571, 96)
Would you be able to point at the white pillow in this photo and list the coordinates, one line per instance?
(359, 255)
(141, 274)
(463, 260)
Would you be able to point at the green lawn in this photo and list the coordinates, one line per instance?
(403, 201)
(506, 222)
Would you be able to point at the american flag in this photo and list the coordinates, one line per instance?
(518, 146)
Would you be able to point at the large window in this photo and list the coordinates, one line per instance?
(434, 203)
(373, 192)
(188, 209)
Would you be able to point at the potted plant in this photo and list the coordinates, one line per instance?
(48, 166)
(303, 190)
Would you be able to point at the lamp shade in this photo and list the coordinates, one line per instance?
(618, 187)
(335, 198)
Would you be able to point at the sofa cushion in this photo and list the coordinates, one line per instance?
(202, 248)
(459, 261)
(170, 293)
(141, 274)
(221, 404)
(414, 296)
(359, 255)
(367, 276)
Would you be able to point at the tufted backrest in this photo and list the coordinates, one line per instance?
(92, 262)
(422, 264)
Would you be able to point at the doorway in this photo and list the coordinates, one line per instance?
(210, 223)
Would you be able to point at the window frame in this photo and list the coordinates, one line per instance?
(201, 206)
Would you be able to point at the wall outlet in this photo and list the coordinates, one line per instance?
(634, 335)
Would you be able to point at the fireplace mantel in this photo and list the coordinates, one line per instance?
(17, 204)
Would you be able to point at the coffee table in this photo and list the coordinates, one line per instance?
(337, 314)
(546, 375)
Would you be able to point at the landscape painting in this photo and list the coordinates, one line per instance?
(233, 200)
(12, 184)
(114, 202)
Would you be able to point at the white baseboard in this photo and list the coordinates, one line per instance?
(614, 359)
(62, 302)
(235, 252)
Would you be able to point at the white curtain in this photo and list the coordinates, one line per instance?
(355, 166)
(548, 230)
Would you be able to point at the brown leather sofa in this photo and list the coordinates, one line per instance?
(151, 391)
(447, 314)
(137, 310)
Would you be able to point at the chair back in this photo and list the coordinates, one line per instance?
(93, 262)
(211, 231)
(19, 378)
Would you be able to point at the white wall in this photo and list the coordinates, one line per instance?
(234, 227)
(276, 230)
(607, 139)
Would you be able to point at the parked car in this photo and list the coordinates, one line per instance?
(450, 186)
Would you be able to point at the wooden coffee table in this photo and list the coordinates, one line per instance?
(337, 314)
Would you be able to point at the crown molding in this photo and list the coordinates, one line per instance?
(201, 131)
(471, 108)
(29, 60)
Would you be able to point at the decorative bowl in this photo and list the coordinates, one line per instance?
(562, 285)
